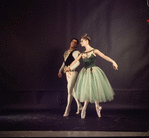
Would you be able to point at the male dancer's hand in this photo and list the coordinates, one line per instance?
(67, 69)
(60, 75)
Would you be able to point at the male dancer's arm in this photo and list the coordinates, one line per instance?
(61, 69)
(75, 55)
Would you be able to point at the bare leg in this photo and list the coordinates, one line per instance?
(98, 108)
(83, 113)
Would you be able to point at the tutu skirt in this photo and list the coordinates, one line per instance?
(93, 85)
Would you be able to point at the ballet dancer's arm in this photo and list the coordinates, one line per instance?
(75, 54)
(60, 70)
(62, 67)
(76, 60)
(97, 52)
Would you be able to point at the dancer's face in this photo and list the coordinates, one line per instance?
(73, 43)
(83, 42)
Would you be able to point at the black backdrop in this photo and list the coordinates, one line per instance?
(35, 33)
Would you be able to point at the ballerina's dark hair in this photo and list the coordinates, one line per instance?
(86, 37)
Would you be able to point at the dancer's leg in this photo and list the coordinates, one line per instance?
(98, 108)
(70, 84)
(69, 96)
(69, 100)
(83, 113)
(85, 105)
(73, 79)
(96, 103)
(79, 106)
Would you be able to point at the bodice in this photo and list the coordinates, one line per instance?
(89, 62)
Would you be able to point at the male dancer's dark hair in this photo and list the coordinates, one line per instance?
(75, 39)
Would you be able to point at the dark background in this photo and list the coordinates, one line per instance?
(35, 33)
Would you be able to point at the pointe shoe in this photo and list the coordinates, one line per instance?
(66, 113)
(98, 110)
(79, 109)
(83, 113)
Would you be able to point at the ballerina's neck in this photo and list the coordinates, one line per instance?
(88, 48)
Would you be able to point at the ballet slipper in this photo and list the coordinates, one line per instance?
(83, 113)
(66, 112)
(98, 110)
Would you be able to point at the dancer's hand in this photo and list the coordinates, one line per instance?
(115, 66)
(60, 75)
(67, 69)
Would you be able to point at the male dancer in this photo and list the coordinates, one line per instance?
(69, 56)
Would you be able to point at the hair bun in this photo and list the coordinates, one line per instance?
(86, 37)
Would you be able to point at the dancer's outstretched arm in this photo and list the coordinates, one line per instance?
(77, 59)
(97, 52)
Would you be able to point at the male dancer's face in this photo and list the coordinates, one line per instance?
(73, 44)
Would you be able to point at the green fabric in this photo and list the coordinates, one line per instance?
(89, 62)
(92, 84)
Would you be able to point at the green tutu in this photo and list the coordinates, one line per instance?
(92, 84)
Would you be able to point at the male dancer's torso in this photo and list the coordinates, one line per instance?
(69, 57)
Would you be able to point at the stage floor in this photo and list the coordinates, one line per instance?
(52, 123)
